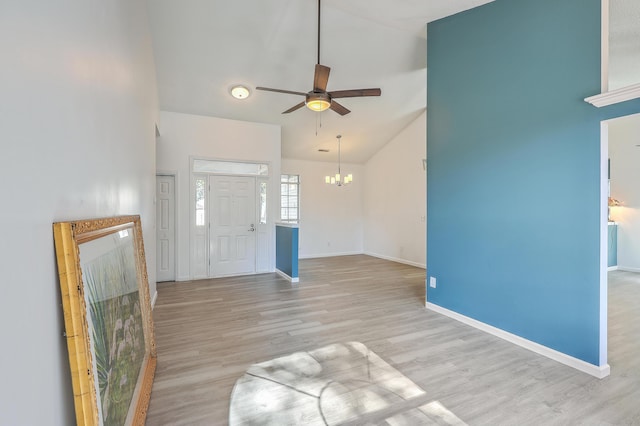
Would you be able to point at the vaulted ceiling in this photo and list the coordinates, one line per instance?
(203, 47)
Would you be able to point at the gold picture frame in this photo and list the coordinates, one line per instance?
(108, 319)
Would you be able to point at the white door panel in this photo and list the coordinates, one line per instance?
(232, 235)
(165, 228)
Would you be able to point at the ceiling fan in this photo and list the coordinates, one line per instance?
(319, 99)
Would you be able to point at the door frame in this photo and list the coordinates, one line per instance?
(265, 233)
(604, 244)
(177, 221)
(604, 235)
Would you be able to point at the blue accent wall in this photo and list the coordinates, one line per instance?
(287, 250)
(513, 181)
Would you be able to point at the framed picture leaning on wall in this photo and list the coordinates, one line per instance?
(108, 321)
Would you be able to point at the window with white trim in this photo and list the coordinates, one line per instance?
(290, 198)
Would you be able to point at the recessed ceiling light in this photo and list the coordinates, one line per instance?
(240, 92)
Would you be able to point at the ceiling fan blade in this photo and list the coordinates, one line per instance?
(339, 108)
(321, 78)
(290, 92)
(355, 93)
(294, 108)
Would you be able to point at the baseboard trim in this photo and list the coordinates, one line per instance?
(287, 277)
(153, 299)
(624, 268)
(395, 259)
(593, 370)
(316, 256)
(612, 268)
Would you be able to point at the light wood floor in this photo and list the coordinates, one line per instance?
(210, 332)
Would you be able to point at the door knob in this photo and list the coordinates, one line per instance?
(252, 228)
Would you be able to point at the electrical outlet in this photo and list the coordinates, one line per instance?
(432, 282)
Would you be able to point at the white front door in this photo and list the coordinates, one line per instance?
(232, 240)
(165, 228)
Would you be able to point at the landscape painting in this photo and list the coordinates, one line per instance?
(113, 303)
(107, 314)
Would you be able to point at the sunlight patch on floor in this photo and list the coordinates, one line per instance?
(336, 384)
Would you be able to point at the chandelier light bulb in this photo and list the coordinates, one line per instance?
(339, 179)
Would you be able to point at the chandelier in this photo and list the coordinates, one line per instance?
(338, 179)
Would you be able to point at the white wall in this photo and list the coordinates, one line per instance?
(624, 135)
(330, 216)
(395, 198)
(77, 115)
(382, 213)
(185, 135)
(624, 43)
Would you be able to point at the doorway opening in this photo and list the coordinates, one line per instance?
(619, 226)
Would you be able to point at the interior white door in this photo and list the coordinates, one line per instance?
(232, 241)
(165, 228)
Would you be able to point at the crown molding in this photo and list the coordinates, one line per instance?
(615, 96)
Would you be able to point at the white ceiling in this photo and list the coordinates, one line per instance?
(203, 47)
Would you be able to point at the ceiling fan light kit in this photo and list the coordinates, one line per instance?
(319, 99)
